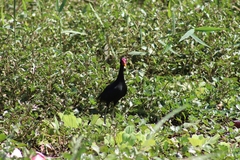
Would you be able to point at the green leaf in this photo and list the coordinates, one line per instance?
(119, 138)
(109, 140)
(95, 147)
(213, 140)
(146, 146)
(60, 115)
(197, 140)
(169, 10)
(73, 32)
(208, 29)
(167, 47)
(136, 53)
(132, 139)
(187, 34)
(95, 117)
(70, 121)
(97, 16)
(125, 137)
(24, 5)
(2, 137)
(66, 155)
(198, 40)
(99, 122)
(62, 5)
(18, 144)
(55, 124)
(129, 129)
(140, 137)
(111, 156)
(57, 5)
(207, 156)
(79, 121)
(164, 119)
(228, 145)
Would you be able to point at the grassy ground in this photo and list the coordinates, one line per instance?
(183, 56)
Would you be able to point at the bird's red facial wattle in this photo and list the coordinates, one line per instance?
(124, 61)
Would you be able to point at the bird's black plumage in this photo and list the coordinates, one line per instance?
(116, 90)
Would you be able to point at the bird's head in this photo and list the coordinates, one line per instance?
(123, 61)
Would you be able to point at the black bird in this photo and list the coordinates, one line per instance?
(116, 90)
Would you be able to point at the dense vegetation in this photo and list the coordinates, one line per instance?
(183, 58)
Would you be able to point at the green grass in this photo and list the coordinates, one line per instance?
(55, 58)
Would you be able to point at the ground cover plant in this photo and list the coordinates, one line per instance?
(182, 75)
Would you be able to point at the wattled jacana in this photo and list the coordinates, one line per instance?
(116, 90)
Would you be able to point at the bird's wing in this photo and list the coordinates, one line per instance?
(111, 92)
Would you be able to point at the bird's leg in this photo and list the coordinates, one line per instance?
(114, 111)
(105, 113)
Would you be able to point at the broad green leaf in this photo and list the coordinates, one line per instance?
(146, 146)
(66, 155)
(128, 138)
(228, 145)
(104, 148)
(112, 156)
(70, 121)
(200, 90)
(60, 115)
(119, 138)
(140, 137)
(187, 34)
(129, 129)
(2, 137)
(213, 140)
(99, 122)
(197, 140)
(132, 139)
(95, 147)
(79, 121)
(95, 117)
(109, 140)
(125, 137)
